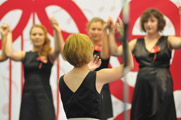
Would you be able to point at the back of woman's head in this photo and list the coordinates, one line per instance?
(78, 49)
(152, 12)
(45, 50)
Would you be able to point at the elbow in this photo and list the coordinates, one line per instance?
(114, 53)
(4, 58)
(130, 66)
(9, 55)
(57, 51)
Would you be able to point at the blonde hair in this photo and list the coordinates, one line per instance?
(93, 20)
(78, 49)
(45, 50)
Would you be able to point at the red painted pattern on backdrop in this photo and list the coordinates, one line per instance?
(38, 6)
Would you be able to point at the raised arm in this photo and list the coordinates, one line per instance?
(16, 56)
(110, 75)
(3, 32)
(118, 50)
(175, 42)
(59, 41)
(114, 49)
(105, 52)
(130, 63)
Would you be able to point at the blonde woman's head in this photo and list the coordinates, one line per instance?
(78, 49)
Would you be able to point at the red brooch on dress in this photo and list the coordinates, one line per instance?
(155, 50)
(97, 48)
(42, 60)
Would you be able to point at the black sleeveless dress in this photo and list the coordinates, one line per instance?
(153, 94)
(106, 101)
(37, 102)
(85, 102)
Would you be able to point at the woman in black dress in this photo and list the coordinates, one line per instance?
(37, 101)
(153, 95)
(97, 31)
(80, 88)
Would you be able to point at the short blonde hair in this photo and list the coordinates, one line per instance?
(78, 49)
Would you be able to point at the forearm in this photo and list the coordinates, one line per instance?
(59, 41)
(112, 44)
(128, 61)
(9, 46)
(3, 55)
(105, 52)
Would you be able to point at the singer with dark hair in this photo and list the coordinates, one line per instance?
(153, 94)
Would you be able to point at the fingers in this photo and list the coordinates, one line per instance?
(120, 21)
(4, 26)
(109, 23)
(4, 29)
(96, 59)
(53, 21)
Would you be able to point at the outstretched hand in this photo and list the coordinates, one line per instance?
(95, 63)
(120, 27)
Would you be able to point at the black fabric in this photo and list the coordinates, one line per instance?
(37, 102)
(85, 102)
(106, 102)
(153, 93)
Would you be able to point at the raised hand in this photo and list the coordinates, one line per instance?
(95, 63)
(119, 27)
(54, 24)
(109, 24)
(4, 29)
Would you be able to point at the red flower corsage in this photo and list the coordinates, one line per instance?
(42, 60)
(97, 48)
(155, 50)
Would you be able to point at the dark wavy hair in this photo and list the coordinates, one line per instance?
(155, 13)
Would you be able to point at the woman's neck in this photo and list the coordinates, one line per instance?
(81, 68)
(153, 36)
(36, 48)
(97, 43)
